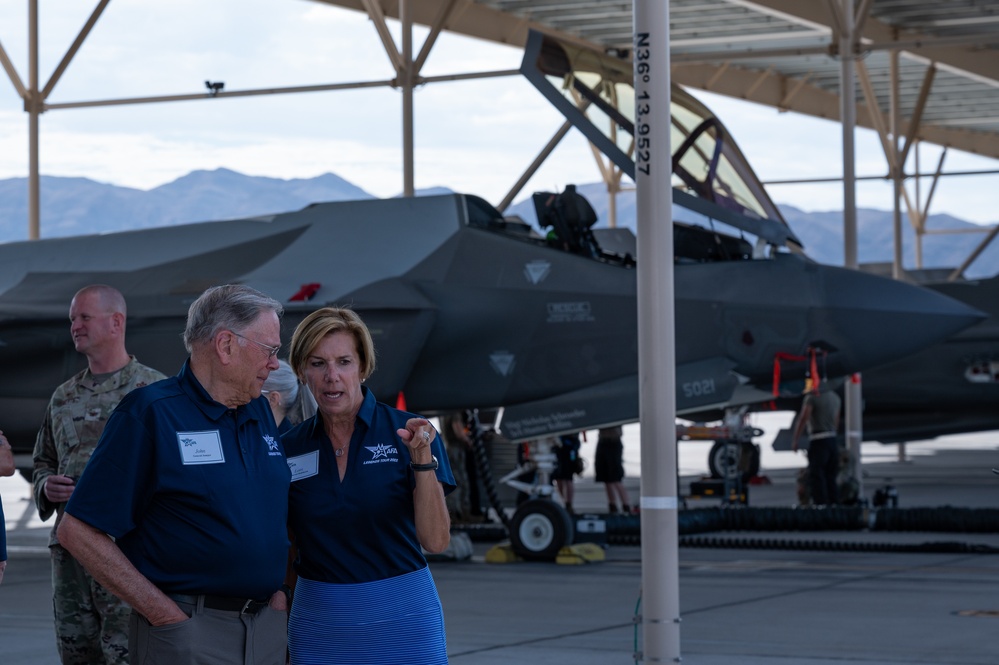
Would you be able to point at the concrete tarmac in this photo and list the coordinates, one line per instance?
(751, 606)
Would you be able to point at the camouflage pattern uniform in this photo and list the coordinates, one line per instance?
(91, 624)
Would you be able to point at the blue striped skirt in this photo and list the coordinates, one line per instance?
(395, 621)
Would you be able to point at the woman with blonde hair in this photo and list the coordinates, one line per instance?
(366, 499)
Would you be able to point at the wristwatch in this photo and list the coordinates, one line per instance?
(426, 467)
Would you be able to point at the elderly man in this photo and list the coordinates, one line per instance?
(91, 624)
(191, 482)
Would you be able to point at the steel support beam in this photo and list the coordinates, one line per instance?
(895, 167)
(852, 390)
(406, 82)
(33, 104)
(8, 67)
(974, 255)
(124, 101)
(535, 165)
(74, 47)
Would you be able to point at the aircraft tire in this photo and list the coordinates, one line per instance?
(725, 461)
(539, 529)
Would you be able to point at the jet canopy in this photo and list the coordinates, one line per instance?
(712, 181)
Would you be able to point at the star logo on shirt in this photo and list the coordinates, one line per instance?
(272, 445)
(381, 450)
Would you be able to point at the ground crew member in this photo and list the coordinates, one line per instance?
(820, 414)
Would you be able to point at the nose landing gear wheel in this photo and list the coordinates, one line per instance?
(539, 529)
(734, 460)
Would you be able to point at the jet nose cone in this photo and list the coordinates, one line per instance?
(878, 320)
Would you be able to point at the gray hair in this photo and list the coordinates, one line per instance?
(299, 404)
(227, 307)
(284, 381)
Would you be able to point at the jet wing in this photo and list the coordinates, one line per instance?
(700, 385)
(153, 270)
(609, 403)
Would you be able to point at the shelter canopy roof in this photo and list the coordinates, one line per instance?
(785, 53)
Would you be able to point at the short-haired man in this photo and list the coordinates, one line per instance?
(91, 624)
(191, 481)
(819, 414)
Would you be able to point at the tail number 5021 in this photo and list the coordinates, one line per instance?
(698, 388)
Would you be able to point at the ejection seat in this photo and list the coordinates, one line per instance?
(570, 217)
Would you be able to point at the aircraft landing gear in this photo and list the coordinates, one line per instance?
(733, 456)
(734, 459)
(539, 529)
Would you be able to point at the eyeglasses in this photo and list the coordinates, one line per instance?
(272, 351)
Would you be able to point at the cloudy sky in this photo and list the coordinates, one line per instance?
(472, 136)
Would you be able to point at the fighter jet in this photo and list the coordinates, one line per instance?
(950, 387)
(471, 309)
(713, 187)
(467, 308)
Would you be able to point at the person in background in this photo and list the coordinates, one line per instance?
(190, 482)
(91, 624)
(6, 469)
(289, 404)
(465, 502)
(819, 413)
(366, 500)
(609, 469)
(457, 445)
(569, 463)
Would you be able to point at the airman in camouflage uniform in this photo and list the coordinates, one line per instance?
(91, 624)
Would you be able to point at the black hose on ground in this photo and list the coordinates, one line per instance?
(626, 529)
(945, 519)
(488, 532)
(704, 520)
(478, 436)
(836, 546)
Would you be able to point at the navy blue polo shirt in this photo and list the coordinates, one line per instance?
(195, 493)
(362, 528)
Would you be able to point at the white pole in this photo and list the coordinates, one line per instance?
(656, 338)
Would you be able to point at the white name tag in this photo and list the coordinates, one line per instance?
(304, 466)
(200, 447)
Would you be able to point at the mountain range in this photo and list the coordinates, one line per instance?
(75, 206)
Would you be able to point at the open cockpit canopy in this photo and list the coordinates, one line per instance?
(711, 181)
